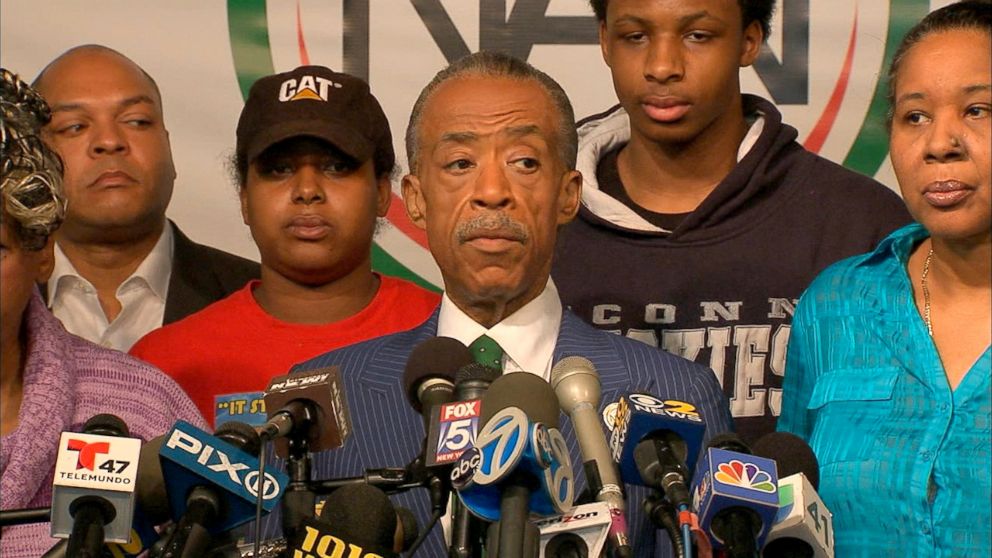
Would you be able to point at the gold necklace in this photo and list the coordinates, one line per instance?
(926, 292)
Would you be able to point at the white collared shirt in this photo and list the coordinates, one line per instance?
(527, 337)
(74, 300)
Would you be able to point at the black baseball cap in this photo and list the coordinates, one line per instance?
(314, 101)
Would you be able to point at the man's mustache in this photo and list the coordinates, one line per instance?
(492, 225)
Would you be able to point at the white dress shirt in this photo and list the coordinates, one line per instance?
(74, 300)
(527, 337)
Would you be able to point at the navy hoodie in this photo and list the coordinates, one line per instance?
(720, 288)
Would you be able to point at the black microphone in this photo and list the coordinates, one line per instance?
(461, 425)
(429, 376)
(803, 526)
(356, 520)
(429, 379)
(309, 407)
(93, 489)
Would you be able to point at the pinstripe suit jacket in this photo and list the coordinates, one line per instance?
(387, 432)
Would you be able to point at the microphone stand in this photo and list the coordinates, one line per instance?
(298, 501)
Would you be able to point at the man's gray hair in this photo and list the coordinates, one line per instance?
(498, 65)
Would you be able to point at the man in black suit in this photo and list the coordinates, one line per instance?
(120, 271)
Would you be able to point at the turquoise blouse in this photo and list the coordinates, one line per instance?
(904, 460)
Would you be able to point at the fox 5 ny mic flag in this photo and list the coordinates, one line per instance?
(452, 430)
(93, 465)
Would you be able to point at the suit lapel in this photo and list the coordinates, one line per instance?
(190, 283)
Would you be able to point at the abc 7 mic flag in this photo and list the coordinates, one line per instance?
(510, 444)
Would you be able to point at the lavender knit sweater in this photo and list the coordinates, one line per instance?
(67, 380)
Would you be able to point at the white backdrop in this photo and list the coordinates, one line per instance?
(187, 46)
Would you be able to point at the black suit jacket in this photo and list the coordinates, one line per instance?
(200, 276)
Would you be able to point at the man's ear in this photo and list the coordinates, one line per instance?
(751, 43)
(604, 46)
(383, 195)
(413, 199)
(570, 196)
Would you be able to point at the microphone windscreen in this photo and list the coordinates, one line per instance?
(149, 489)
(477, 371)
(791, 454)
(362, 514)
(241, 436)
(411, 528)
(435, 357)
(106, 425)
(730, 442)
(524, 390)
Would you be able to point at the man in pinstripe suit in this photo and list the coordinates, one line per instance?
(491, 145)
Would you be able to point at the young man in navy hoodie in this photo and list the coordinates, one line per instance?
(702, 218)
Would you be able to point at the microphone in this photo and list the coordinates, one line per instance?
(576, 383)
(93, 488)
(309, 406)
(736, 496)
(519, 464)
(582, 532)
(356, 520)
(212, 483)
(803, 526)
(430, 371)
(656, 443)
(453, 429)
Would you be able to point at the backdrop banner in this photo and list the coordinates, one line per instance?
(824, 66)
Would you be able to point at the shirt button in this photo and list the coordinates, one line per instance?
(925, 454)
(926, 528)
(944, 406)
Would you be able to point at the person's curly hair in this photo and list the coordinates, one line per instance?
(30, 171)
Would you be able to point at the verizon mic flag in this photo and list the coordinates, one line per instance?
(803, 526)
(576, 383)
(191, 458)
(736, 498)
(580, 532)
(94, 483)
(309, 404)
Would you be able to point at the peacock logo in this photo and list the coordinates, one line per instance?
(744, 475)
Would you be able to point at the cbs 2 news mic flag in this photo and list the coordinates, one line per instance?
(191, 457)
(90, 464)
(637, 415)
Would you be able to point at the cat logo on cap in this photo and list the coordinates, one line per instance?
(313, 88)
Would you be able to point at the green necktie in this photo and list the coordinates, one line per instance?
(487, 351)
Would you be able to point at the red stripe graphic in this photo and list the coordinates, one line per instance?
(304, 57)
(814, 142)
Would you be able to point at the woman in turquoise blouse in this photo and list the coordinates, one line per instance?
(888, 368)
